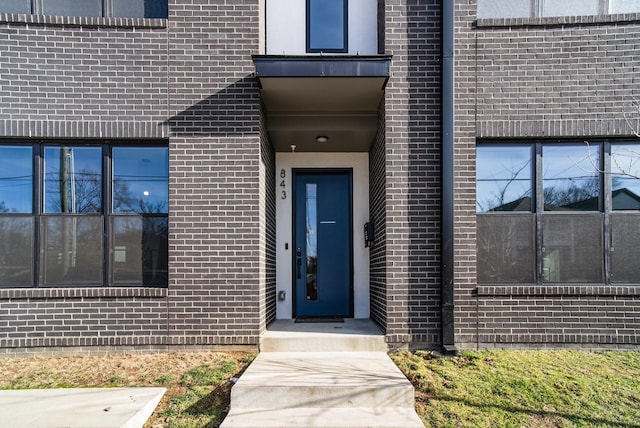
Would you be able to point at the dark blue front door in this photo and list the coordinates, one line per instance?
(322, 250)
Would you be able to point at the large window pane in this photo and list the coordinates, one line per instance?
(571, 177)
(506, 248)
(72, 7)
(503, 178)
(625, 176)
(572, 248)
(139, 254)
(16, 182)
(71, 250)
(16, 250)
(15, 6)
(504, 9)
(570, 7)
(327, 25)
(625, 251)
(624, 6)
(140, 180)
(73, 180)
(140, 8)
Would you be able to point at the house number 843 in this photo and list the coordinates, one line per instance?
(283, 175)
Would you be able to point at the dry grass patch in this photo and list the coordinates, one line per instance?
(197, 383)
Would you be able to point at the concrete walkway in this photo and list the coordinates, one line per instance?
(78, 408)
(322, 375)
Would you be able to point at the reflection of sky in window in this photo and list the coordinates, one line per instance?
(326, 24)
(144, 173)
(312, 220)
(84, 169)
(570, 7)
(15, 179)
(503, 175)
(571, 177)
(566, 166)
(625, 167)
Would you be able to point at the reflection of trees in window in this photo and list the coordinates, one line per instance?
(571, 177)
(80, 192)
(503, 178)
(124, 201)
(581, 193)
(73, 180)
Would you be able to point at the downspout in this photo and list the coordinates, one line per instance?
(447, 223)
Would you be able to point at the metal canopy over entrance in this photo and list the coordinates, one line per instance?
(335, 96)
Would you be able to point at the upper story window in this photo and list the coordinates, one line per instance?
(327, 25)
(551, 8)
(102, 8)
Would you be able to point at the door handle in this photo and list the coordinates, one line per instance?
(299, 263)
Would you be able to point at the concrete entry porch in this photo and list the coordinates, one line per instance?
(322, 375)
(355, 335)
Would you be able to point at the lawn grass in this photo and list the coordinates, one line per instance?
(525, 388)
(474, 389)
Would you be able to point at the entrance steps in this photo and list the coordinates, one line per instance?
(331, 375)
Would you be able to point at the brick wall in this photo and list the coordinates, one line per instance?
(215, 234)
(557, 76)
(465, 315)
(268, 225)
(64, 77)
(412, 165)
(589, 316)
(82, 317)
(377, 214)
(570, 77)
(187, 81)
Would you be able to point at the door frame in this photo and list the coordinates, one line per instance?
(295, 172)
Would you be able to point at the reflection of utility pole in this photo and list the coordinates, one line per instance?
(68, 205)
(64, 174)
(74, 208)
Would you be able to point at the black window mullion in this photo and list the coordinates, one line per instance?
(106, 211)
(607, 206)
(37, 210)
(539, 210)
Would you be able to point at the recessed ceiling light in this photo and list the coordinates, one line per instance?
(322, 138)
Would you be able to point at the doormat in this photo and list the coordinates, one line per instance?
(318, 319)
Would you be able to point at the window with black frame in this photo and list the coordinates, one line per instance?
(588, 195)
(101, 8)
(505, 222)
(17, 228)
(76, 202)
(327, 25)
(553, 8)
(625, 218)
(139, 223)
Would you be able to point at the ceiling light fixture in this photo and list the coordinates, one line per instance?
(322, 138)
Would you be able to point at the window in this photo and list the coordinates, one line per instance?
(505, 243)
(16, 6)
(327, 26)
(558, 213)
(101, 212)
(16, 219)
(107, 8)
(549, 8)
